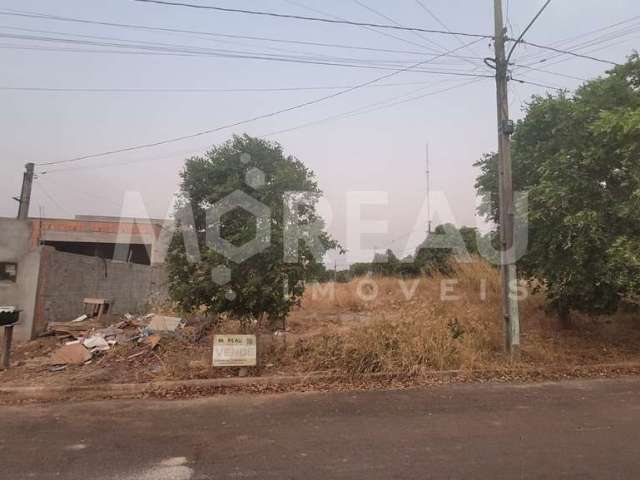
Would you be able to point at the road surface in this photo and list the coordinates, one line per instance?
(576, 429)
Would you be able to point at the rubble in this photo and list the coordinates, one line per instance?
(160, 323)
(90, 337)
(73, 354)
(125, 348)
(67, 329)
(151, 340)
(96, 343)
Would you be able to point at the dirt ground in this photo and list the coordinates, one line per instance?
(406, 328)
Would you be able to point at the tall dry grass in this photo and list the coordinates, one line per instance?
(383, 324)
(386, 324)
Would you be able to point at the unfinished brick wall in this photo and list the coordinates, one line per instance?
(66, 279)
(41, 226)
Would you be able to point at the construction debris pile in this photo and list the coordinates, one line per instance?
(93, 350)
(85, 342)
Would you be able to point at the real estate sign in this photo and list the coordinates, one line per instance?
(234, 350)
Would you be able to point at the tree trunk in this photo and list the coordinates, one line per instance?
(564, 315)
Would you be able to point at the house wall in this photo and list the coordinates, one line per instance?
(66, 279)
(15, 238)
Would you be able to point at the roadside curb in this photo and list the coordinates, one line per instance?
(283, 383)
(129, 390)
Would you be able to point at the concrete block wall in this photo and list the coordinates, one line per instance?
(66, 279)
(15, 248)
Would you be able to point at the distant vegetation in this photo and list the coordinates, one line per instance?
(435, 255)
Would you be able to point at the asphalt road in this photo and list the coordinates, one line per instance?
(577, 429)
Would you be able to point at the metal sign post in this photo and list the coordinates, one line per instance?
(8, 318)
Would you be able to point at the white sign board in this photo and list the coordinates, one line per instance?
(234, 350)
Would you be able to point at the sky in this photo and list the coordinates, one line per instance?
(379, 149)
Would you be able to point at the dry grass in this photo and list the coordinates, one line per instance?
(436, 323)
(395, 325)
(371, 325)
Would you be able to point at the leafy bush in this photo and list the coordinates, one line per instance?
(266, 283)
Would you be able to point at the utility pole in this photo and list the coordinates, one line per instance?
(428, 191)
(25, 194)
(505, 129)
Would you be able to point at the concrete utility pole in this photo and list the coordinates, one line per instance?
(428, 171)
(25, 194)
(505, 129)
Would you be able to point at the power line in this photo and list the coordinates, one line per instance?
(383, 33)
(9, 46)
(440, 22)
(249, 120)
(568, 52)
(443, 25)
(568, 40)
(538, 84)
(238, 55)
(180, 153)
(198, 90)
(164, 47)
(557, 74)
(527, 28)
(192, 50)
(201, 33)
(67, 34)
(571, 50)
(380, 105)
(84, 193)
(387, 17)
(261, 39)
(137, 27)
(508, 15)
(388, 103)
(195, 32)
(313, 19)
(549, 61)
(378, 66)
(50, 197)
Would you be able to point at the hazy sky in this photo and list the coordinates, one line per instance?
(380, 150)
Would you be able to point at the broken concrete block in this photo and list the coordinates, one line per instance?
(96, 343)
(161, 323)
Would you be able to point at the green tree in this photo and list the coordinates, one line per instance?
(470, 238)
(441, 247)
(386, 263)
(577, 157)
(267, 283)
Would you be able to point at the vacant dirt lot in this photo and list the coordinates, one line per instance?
(371, 325)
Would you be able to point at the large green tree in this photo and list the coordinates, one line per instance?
(578, 158)
(270, 281)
